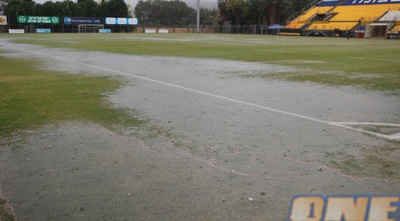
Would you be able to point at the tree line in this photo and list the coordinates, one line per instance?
(164, 12)
(262, 12)
(172, 13)
(236, 12)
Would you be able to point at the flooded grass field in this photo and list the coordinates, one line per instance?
(204, 127)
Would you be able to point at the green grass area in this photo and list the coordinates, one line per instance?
(31, 98)
(367, 63)
(380, 162)
(5, 213)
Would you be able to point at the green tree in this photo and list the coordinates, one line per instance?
(208, 16)
(272, 14)
(38, 9)
(144, 11)
(257, 12)
(265, 12)
(161, 12)
(69, 8)
(58, 9)
(177, 13)
(112, 8)
(48, 9)
(238, 9)
(102, 9)
(86, 8)
(18, 7)
(224, 14)
(118, 8)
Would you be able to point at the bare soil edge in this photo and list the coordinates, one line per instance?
(6, 210)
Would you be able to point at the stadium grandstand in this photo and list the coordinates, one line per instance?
(363, 18)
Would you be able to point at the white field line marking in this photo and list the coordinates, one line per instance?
(369, 124)
(395, 136)
(210, 94)
(389, 137)
(375, 59)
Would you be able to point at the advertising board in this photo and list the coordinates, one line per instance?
(79, 21)
(364, 2)
(43, 30)
(3, 20)
(121, 21)
(16, 31)
(38, 19)
(104, 30)
(344, 207)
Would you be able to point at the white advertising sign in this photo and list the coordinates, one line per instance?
(121, 21)
(163, 31)
(150, 31)
(132, 21)
(16, 31)
(111, 21)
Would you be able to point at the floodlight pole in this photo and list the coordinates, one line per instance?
(198, 17)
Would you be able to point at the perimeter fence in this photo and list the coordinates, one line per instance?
(64, 28)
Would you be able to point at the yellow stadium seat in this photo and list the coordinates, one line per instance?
(342, 17)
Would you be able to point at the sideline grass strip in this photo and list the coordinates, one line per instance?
(368, 63)
(31, 98)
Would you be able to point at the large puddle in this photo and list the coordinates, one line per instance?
(229, 148)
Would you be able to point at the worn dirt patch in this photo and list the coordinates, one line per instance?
(82, 171)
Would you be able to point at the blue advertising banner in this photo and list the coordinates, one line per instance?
(328, 3)
(104, 30)
(43, 30)
(364, 2)
(356, 2)
(78, 21)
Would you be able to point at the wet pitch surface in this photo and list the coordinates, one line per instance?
(221, 146)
